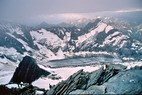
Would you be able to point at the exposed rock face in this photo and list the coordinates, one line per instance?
(127, 82)
(27, 71)
(76, 81)
(94, 76)
(112, 79)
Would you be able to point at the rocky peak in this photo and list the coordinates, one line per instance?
(27, 71)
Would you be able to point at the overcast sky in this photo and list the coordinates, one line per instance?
(31, 11)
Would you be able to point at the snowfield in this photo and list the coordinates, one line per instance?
(64, 73)
(5, 76)
(60, 73)
(46, 37)
(93, 32)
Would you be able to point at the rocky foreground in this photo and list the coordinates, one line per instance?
(114, 79)
(109, 79)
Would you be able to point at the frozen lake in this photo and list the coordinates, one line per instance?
(83, 61)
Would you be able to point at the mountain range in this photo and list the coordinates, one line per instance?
(98, 36)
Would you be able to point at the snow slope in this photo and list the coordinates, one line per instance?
(46, 37)
(64, 73)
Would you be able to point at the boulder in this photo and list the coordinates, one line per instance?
(27, 71)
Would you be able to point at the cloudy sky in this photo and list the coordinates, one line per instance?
(52, 11)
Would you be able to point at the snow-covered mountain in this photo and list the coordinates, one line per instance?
(99, 36)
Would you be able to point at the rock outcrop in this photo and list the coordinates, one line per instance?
(28, 71)
(27, 90)
(111, 79)
(126, 82)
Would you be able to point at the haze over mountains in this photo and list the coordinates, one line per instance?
(117, 37)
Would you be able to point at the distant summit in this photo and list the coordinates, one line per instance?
(79, 22)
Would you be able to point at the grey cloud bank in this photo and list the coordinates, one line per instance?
(32, 11)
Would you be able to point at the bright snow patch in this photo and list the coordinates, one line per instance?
(63, 72)
(39, 93)
(12, 86)
(131, 64)
(10, 52)
(5, 76)
(67, 37)
(108, 28)
(93, 32)
(115, 41)
(49, 38)
(16, 30)
(60, 54)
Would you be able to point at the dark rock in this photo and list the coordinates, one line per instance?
(94, 76)
(54, 77)
(10, 42)
(109, 71)
(76, 81)
(5, 90)
(29, 90)
(27, 71)
(116, 66)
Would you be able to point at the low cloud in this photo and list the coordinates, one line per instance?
(66, 16)
(126, 11)
(57, 18)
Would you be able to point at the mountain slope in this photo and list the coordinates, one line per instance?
(117, 37)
